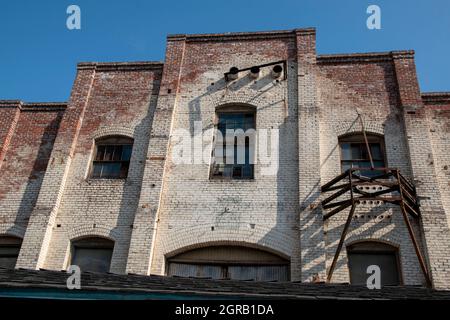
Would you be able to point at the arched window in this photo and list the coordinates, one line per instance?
(354, 153)
(363, 254)
(112, 157)
(92, 254)
(229, 262)
(234, 143)
(9, 251)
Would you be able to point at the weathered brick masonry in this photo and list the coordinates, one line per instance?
(164, 208)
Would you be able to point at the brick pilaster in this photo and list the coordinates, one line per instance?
(145, 221)
(9, 116)
(434, 221)
(37, 237)
(311, 224)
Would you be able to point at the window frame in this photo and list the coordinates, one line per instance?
(232, 109)
(225, 268)
(91, 242)
(378, 247)
(7, 241)
(208, 258)
(109, 141)
(359, 138)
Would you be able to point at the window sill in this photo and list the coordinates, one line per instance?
(223, 180)
(106, 181)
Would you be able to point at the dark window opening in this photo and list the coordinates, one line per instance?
(112, 158)
(362, 255)
(228, 262)
(354, 154)
(233, 158)
(92, 254)
(9, 251)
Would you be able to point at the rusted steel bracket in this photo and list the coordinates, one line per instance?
(347, 193)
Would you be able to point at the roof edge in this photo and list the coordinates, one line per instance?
(27, 278)
(33, 106)
(436, 97)
(365, 56)
(123, 66)
(251, 35)
(11, 103)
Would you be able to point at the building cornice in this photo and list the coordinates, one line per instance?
(436, 97)
(10, 103)
(239, 36)
(44, 106)
(33, 106)
(364, 57)
(120, 66)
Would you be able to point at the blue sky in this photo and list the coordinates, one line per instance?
(38, 54)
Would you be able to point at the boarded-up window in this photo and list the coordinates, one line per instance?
(92, 254)
(9, 251)
(230, 262)
(259, 272)
(112, 158)
(354, 153)
(364, 254)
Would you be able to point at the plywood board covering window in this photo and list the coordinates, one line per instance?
(362, 255)
(92, 254)
(9, 251)
(229, 262)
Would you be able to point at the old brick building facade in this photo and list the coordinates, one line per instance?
(160, 212)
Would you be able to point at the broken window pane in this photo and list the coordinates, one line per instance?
(113, 158)
(234, 150)
(108, 153)
(354, 153)
(100, 153)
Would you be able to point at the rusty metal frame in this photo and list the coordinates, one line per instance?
(398, 190)
(284, 62)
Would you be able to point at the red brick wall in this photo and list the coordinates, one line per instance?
(121, 101)
(437, 106)
(367, 85)
(312, 107)
(26, 161)
(117, 98)
(9, 115)
(202, 57)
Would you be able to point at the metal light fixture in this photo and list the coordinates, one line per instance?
(276, 71)
(254, 72)
(233, 74)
